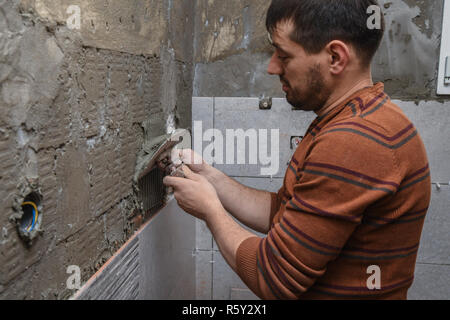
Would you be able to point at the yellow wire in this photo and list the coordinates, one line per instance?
(37, 213)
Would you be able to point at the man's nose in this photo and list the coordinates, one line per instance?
(274, 67)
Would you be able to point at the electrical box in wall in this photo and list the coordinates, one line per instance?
(443, 83)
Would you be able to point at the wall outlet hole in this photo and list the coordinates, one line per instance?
(32, 214)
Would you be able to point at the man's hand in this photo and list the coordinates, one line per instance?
(177, 157)
(252, 207)
(197, 196)
(194, 194)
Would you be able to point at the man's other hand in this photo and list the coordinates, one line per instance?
(177, 157)
(194, 194)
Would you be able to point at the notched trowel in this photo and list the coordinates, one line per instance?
(153, 149)
(148, 178)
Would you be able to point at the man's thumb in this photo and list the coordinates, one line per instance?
(189, 173)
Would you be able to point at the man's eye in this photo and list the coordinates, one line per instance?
(282, 58)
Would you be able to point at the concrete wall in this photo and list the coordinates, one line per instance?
(231, 58)
(73, 105)
(231, 40)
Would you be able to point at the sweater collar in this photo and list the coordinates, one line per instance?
(357, 90)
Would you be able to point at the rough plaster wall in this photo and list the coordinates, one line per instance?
(231, 40)
(73, 104)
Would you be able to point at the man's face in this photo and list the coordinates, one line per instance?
(301, 74)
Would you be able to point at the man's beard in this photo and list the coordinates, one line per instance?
(316, 94)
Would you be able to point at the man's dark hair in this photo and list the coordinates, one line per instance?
(317, 22)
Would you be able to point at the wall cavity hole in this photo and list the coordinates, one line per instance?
(31, 218)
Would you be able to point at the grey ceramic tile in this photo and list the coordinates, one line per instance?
(202, 121)
(203, 110)
(156, 263)
(203, 236)
(203, 260)
(119, 279)
(244, 113)
(432, 120)
(224, 279)
(435, 240)
(431, 283)
(167, 255)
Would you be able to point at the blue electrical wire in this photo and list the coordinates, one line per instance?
(35, 215)
(34, 221)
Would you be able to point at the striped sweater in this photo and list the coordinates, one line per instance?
(354, 196)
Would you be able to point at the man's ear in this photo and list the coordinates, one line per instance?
(338, 56)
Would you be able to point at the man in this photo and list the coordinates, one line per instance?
(347, 221)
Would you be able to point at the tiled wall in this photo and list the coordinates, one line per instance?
(157, 263)
(215, 279)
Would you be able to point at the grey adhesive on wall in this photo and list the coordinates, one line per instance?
(231, 41)
(76, 105)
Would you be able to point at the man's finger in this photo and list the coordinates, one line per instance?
(176, 157)
(190, 157)
(189, 174)
(173, 182)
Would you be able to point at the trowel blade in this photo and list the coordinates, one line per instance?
(159, 146)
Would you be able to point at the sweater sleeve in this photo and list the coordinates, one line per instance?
(275, 203)
(340, 177)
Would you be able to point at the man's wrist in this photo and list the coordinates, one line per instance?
(217, 214)
(212, 175)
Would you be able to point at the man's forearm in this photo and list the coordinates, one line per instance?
(250, 206)
(228, 235)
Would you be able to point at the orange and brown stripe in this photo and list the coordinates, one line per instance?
(355, 194)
